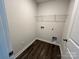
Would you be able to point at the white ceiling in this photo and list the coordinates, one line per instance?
(40, 1)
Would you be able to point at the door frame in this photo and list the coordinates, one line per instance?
(68, 27)
(5, 46)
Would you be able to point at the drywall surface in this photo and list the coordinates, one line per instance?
(46, 17)
(50, 30)
(56, 7)
(75, 28)
(21, 19)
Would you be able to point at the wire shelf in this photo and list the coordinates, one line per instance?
(51, 18)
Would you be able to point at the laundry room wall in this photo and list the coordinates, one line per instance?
(22, 22)
(52, 15)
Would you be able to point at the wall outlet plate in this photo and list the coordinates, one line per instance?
(10, 53)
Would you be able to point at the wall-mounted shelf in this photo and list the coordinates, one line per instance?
(51, 18)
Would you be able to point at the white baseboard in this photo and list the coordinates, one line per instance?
(23, 49)
(70, 53)
(31, 43)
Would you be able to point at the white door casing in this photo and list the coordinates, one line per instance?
(68, 31)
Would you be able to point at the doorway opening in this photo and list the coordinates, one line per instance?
(46, 20)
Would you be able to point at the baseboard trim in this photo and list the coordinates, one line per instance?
(31, 43)
(70, 53)
(23, 49)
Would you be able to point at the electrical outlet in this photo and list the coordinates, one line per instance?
(11, 53)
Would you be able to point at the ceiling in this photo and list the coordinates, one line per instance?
(40, 1)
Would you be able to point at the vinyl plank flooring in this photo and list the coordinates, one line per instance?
(41, 50)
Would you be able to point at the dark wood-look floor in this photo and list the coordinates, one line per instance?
(41, 50)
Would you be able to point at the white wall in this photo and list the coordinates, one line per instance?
(53, 7)
(69, 21)
(21, 19)
(68, 30)
(75, 27)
